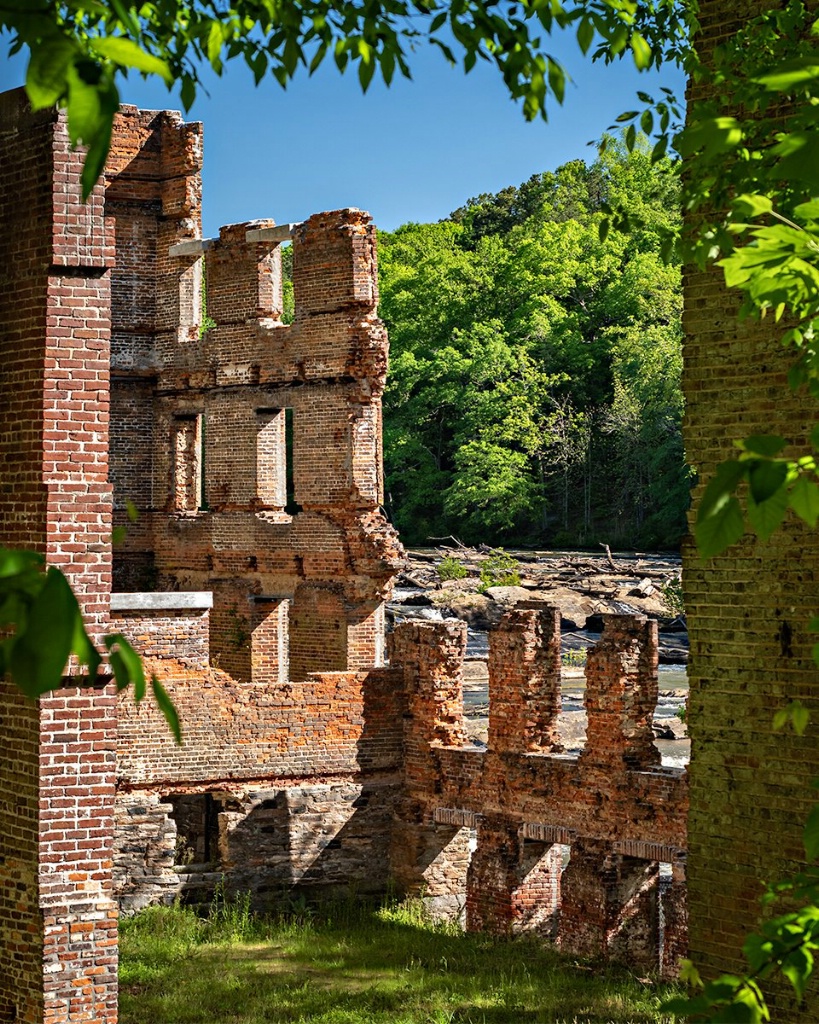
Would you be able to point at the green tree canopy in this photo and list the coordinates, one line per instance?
(534, 392)
(79, 49)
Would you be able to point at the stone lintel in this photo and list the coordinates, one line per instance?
(166, 601)
(191, 247)
(276, 235)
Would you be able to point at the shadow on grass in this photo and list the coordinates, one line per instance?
(355, 966)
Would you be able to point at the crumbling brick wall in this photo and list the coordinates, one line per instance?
(251, 450)
(521, 801)
(251, 453)
(300, 779)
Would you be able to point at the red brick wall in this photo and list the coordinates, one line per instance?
(54, 391)
(182, 635)
(619, 811)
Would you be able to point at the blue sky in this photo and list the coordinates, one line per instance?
(414, 151)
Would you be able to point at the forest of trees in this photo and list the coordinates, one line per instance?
(534, 393)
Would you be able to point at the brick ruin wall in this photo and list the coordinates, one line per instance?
(748, 615)
(58, 957)
(253, 580)
(352, 780)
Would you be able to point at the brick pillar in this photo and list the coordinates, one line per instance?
(492, 876)
(431, 655)
(675, 920)
(513, 884)
(609, 906)
(536, 898)
(244, 278)
(58, 932)
(524, 682)
(621, 693)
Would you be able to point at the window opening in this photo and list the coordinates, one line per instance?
(188, 462)
(292, 506)
(196, 816)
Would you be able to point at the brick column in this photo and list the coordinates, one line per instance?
(58, 933)
(492, 876)
(513, 883)
(609, 906)
(431, 655)
(621, 693)
(675, 920)
(524, 682)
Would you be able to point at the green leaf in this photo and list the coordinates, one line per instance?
(14, 561)
(585, 34)
(811, 834)
(557, 80)
(807, 211)
(214, 45)
(794, 713)
(725, 481)
(366, 70)
(659, 150)
(766, 516)
(768, 445)
(804, 499)
(165, 705)
(47, 73)
(797, 968)
(647, 122)
(799, 152)
(100, 143)
(752, 205)
(188, 92)
(799, 71)
(721, 527)
(84, 108)
(40, 651)
(127, 53)
(641, 51)
(126, 663)
(630, 137)
(766, 479)
(87, 654)
(800, 716)
(713, 136)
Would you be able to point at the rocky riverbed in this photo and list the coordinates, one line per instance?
(585, 587)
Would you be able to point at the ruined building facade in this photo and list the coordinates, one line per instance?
(244, 462)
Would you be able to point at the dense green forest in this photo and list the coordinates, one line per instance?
(534, 393)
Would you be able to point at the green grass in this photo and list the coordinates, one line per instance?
(349, 964)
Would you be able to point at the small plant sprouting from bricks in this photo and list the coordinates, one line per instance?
(499, 570)
(682, 713)
(238, 632)
(450, 568)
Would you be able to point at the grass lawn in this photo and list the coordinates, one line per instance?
(348, 964)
